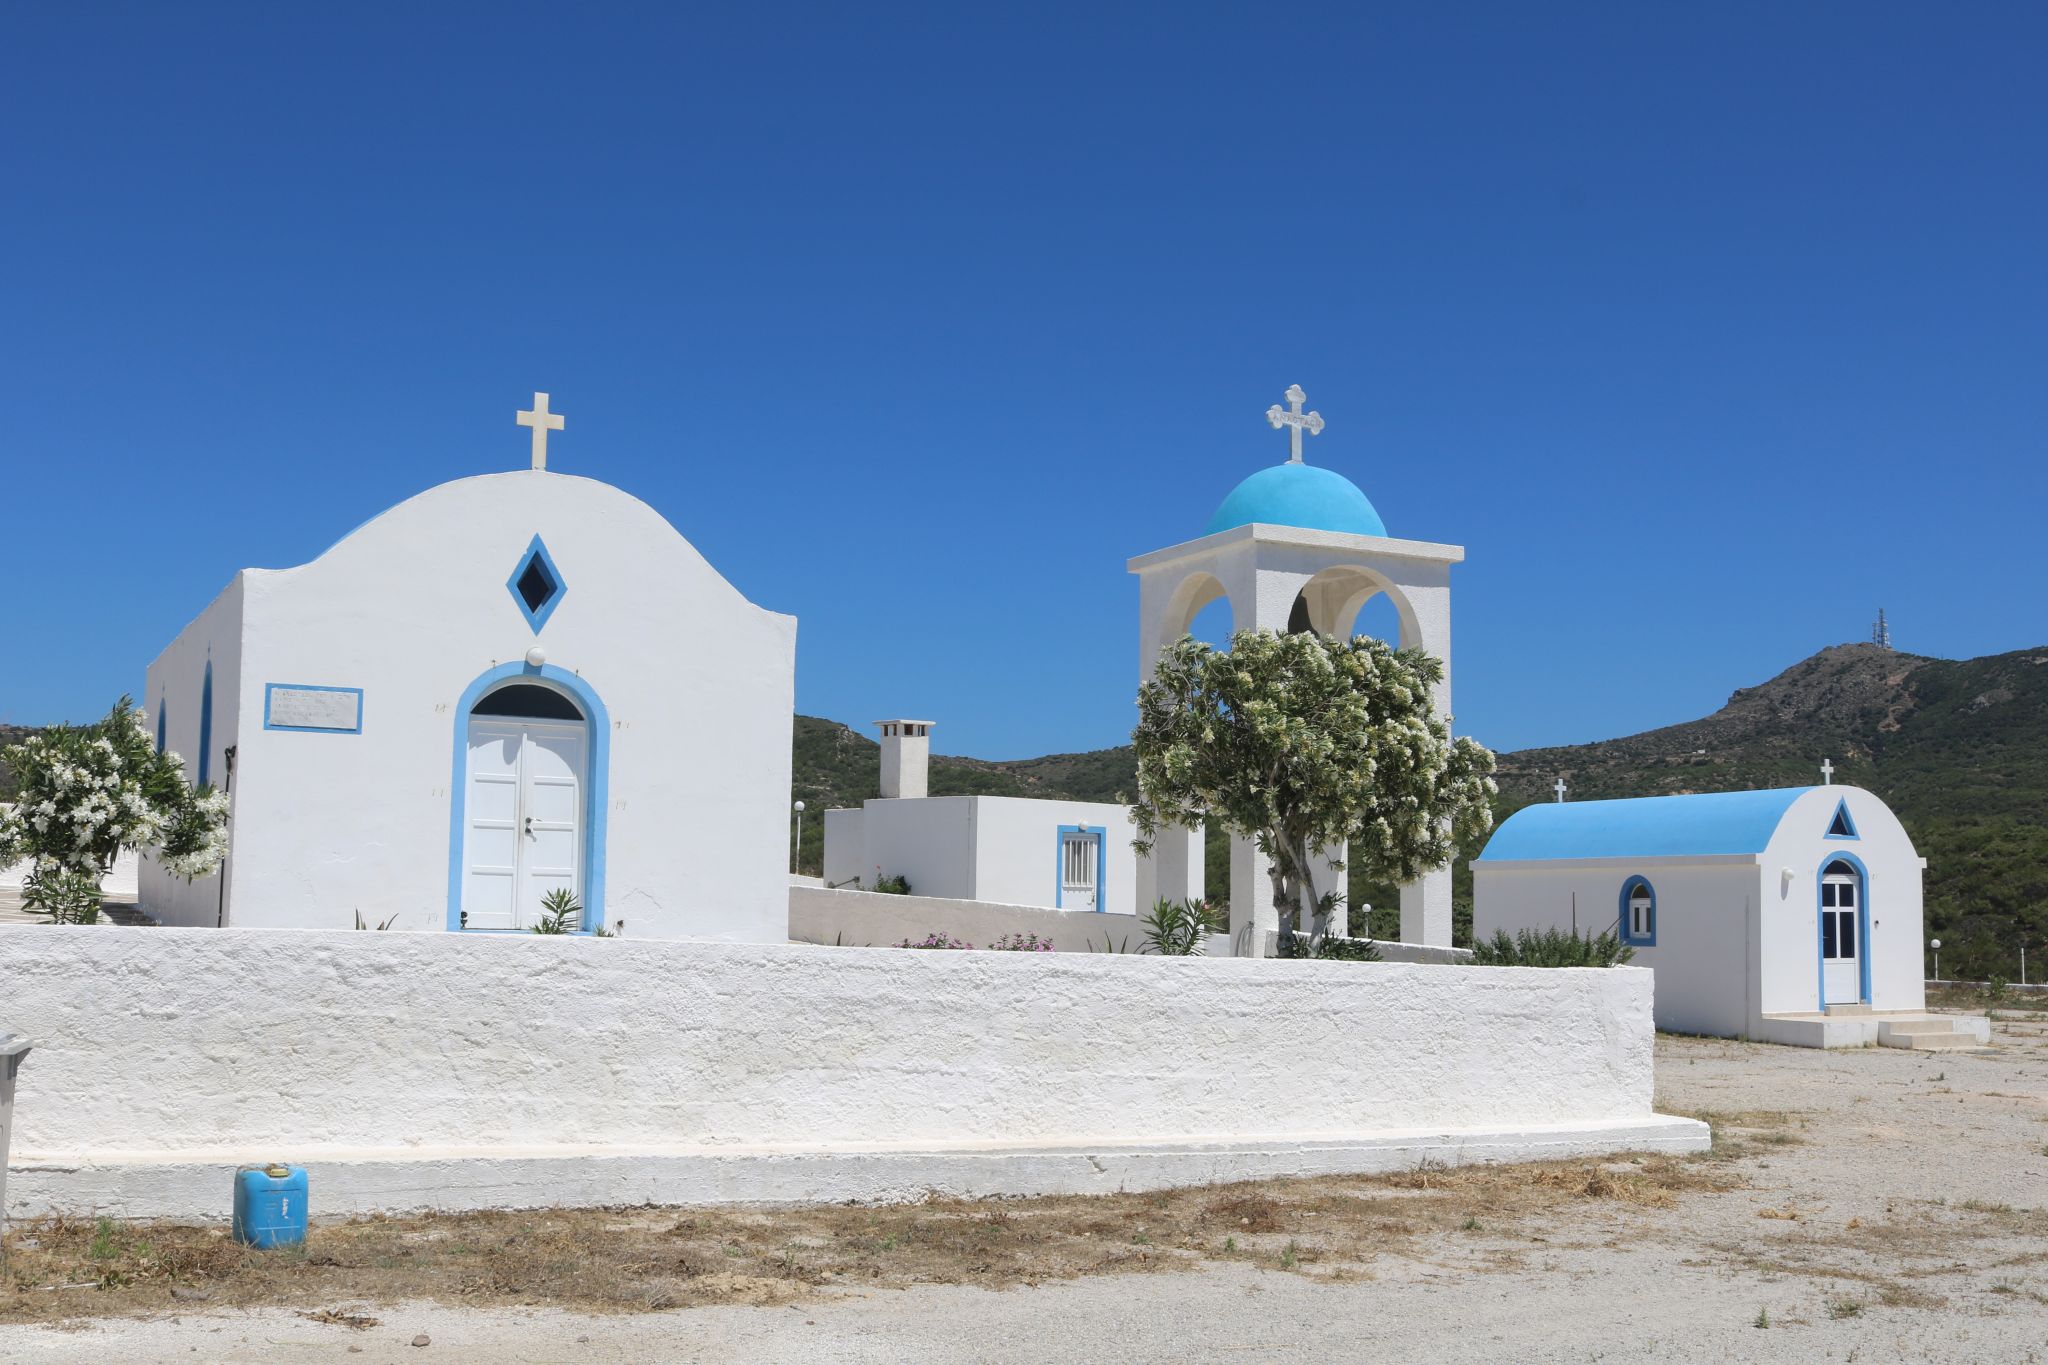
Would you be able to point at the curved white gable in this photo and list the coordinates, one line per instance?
(413, 608)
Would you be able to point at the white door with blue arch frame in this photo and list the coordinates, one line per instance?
(1841, 937)
(524, 826)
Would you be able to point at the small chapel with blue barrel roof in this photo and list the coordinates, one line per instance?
(1788, 915)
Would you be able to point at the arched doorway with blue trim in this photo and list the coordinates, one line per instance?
(1844, 931)
(527, 799)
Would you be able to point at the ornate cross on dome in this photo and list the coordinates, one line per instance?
(542, 421)
(1293, 416)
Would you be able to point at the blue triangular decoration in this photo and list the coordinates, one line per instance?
(1842, 827)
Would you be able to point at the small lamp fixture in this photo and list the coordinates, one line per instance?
(536, 656)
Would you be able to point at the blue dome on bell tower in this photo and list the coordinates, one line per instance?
(1297, 494)
(1303, 495)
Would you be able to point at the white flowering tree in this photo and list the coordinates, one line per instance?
(1302, 743)
(89, 792)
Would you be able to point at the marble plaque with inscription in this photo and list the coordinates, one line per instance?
(316, 708)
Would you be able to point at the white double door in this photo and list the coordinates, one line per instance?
(524, 808)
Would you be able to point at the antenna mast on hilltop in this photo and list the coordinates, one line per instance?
(1881, 634)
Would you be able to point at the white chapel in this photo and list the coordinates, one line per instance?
(506, 685)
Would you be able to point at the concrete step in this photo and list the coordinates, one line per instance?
(1933, 1042)
(1929, 1033)
(1848, 1009)
(1916, 1026)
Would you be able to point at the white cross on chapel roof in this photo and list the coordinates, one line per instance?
(1293, 417)
(542, 421)
(1827, 772)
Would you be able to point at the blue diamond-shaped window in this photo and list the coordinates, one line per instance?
(536, 585)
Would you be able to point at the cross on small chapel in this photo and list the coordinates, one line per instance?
(1293, 417)
(1560, 789)
(542, 421)
(1827, 772)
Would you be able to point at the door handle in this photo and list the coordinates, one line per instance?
(529, 826)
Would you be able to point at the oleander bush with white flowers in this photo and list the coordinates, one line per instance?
(87, 792)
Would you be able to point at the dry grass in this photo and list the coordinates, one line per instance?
(1899, 1258)
(1979, 999)
(636, 1260)
(1743, 1132)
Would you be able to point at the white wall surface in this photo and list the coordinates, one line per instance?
(1705, 910)
(1791, 922)
(412, 607)
(174, 684)
(845, 847)
(929, 840)
(1017, 850)
(517, 1070)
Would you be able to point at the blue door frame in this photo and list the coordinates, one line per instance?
(1820, 975)
(595, 787)
(1059, 873)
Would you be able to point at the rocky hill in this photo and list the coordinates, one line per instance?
(1958, 747)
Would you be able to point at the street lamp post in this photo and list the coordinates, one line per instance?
(796, 849)
(1935, 944)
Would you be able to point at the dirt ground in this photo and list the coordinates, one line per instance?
(1874, 1205)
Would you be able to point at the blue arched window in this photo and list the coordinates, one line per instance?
(1638, 913)
(205, 723)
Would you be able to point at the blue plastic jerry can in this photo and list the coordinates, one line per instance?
(270, 1206)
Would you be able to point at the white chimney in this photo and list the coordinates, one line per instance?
(906, 757)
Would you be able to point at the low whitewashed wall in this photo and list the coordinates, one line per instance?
(870, 919)
(819, 914)
(423, 1070)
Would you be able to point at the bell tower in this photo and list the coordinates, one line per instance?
(1297, 545)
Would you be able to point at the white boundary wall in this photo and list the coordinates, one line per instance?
(872, 919)
(427, 1070)
(819, 914)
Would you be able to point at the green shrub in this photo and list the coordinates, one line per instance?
(1177, 928)
(1551, 948)
(560, 913)
(1331, 949)
(898, 885)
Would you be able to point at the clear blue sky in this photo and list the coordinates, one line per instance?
(1706, 328)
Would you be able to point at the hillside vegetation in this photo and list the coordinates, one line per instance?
(1959, 748)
